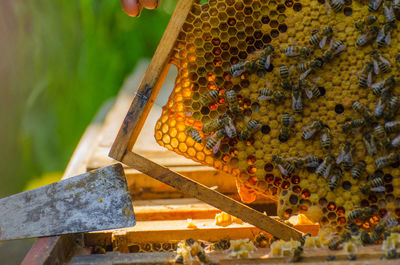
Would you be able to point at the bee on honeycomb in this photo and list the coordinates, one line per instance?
(320, 133)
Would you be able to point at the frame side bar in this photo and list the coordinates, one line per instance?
(150, 84)
(212, 197)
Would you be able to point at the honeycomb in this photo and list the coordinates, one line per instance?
(221, 33)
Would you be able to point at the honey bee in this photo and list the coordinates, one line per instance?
(287, 122)
(345, 157)
(310, 88)
(284, 76)
(336, 47)
(386, 160)
(381, 105)
(380, 63)
(368, 36)
(358, 169)
(391, 254)
(194, 134)
(201, 255)
(179, 260)
(365, 238)
(293, 51)
(324, 168)
(384, 36)
(393, 107)
(275, 95)
(310, 130)
(209, 97)
(383, 86)
(392, 126)
(396, 141)
(284, 165)
(326, 137)
(367, 21)
(221, 245)
(352, 124)
(374, 5)
(215, 140)
(320, 37)
(335, 5)
(297, 101)
(365, 78)
(264, 61)
(307, 67)
(251, 127)
(370, 143)
(380, 135)
(361, 213)
(363, 111)
(374, 185)
(261, 241)
(232, 100)
(335, 242)
(336, 177)
(297, 254)
(389, 11)
(230, 128)
(241, 67)
(308, 161)
(213, 125)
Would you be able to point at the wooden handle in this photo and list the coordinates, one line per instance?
(212, 197)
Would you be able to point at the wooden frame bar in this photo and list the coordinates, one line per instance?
(136, 116)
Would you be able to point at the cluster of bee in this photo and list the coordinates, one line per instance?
(190, 249)
(369, 27)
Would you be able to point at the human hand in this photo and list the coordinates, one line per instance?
(134, 7)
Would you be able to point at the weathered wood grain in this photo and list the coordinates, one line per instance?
(212, 197)
(150, 85)
(93, 201)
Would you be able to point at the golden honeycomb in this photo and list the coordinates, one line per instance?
(221, 33)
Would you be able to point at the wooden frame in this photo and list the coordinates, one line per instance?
(136, 116)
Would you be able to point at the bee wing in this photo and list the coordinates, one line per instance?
(327, 8)
(312, 164)
(384, 60)
(379, 108)
(388, 38)
(327, 171)
(376, 67)
(263, 98)
(305, 74)
(238, 73)
(283, 171)
(369, 79)
(291, 121)
(323, 41)
(268, 62)
(376, 85)
(348, 158)
(381, 35)
(320, 166)
(230, 130)
(216, 147)
(308, 93)
(378, 189)
(340, 157)
(291, 69)
(388, 11)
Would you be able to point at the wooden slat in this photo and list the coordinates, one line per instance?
(176, 230)
(212, 197)
(150, 84)
(366, 256)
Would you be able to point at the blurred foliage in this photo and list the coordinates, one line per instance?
(59, 61)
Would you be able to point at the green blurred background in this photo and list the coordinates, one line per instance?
(59, 61)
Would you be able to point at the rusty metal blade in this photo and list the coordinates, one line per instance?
(96, 200)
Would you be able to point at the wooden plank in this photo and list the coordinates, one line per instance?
(212, 197)
(150, 84)
(366, 256)
(176, 230)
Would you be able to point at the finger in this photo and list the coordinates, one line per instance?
(131, 7)
(150, 4)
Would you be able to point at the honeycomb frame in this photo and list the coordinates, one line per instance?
(222, 33)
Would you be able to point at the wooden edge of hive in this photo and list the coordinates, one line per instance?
(150, 84)
(212, 197)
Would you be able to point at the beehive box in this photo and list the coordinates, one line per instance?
(219, 34)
